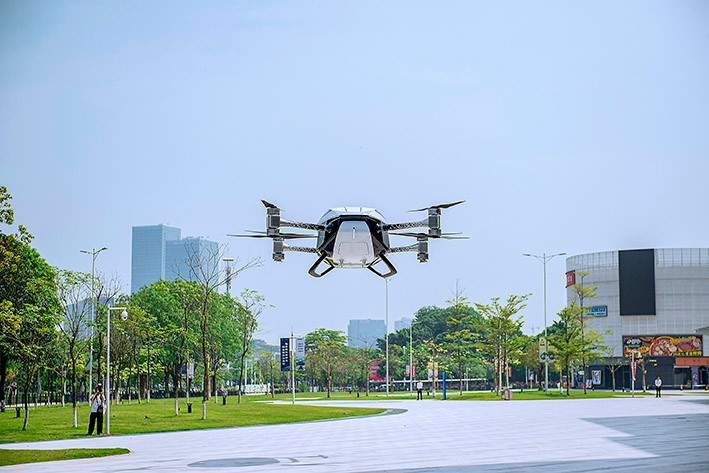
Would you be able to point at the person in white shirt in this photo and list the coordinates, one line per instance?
(97, 403)
(658, 387)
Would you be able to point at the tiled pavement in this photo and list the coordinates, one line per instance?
(629, 434)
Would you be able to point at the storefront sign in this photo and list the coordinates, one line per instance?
(693, 361)
(570, 278)
(597, 311)
(663, 345)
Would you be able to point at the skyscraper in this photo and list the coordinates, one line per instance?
(148, 255)
(365, 332)
(160, 253)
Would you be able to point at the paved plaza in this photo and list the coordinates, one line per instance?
(629, 434)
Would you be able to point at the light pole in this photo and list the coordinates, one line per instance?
(386, 331)
(544, 258)
(94, 253)
(411, 355)
(124, 316)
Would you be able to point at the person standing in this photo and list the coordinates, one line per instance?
(419, 391)
(97, 403)
(658, 387)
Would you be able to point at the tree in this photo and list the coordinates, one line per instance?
(565, 339)
(460, 335)
(613, 362)
(324, 348)
(75, 300)
(174, 305)
(249, 308)
(583, 292)
(502, 333)
(29, 310)
(203, 263)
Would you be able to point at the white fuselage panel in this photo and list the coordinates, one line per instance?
(353, 245)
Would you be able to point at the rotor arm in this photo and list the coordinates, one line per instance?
(406, 225)
(300, 249)
(303, 225)
(420, 247)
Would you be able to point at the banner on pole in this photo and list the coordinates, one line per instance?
(285, 354)
(300, 353)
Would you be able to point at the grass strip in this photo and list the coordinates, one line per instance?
(55, 423)
(17, 457)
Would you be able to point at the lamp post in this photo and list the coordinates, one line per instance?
(411, 356)
(386, 332)
(544, 258)
(94, 253)
(124, 316)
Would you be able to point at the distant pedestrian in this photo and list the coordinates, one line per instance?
(97, 403)
(658, 387)
(419, 391)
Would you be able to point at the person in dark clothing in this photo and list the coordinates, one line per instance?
(97, 403)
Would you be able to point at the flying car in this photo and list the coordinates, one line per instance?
(353, 237)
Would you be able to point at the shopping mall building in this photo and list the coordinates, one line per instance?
(654, 303)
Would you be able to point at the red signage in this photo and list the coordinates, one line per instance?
(570, 278)
(663, 345)
(373, 372)
(693, 361)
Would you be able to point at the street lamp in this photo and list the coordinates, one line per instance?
(124, 316)
(544, 258)
(386, 329)
(411, 355)
(94, 253)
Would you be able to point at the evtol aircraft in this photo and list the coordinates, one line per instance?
(353, 237)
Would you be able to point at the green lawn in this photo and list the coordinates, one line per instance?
(52, 423)
(528, 395)
(17, 457)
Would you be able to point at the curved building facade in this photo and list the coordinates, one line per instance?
(653, 302)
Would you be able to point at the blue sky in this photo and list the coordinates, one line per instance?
(566, 126)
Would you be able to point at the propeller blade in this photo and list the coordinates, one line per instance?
(269, 205)
(439, 206)
(285, 236)
(445, 236)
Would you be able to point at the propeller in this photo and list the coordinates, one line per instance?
(439, 206)
(445, 236)
(285, 236)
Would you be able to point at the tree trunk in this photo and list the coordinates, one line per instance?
(75, 423)
(3, 376)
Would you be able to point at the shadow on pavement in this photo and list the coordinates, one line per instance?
(681, 443)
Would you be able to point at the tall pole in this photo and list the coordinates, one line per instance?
(124, 315)
(292, 367)
(411, 356)
(544, 259)
(94, 253)
(386, 329)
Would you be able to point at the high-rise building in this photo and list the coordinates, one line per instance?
(160, 253)
(365, 332)
(402, 324)
(148, 255)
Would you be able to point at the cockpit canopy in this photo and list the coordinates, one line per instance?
(346, 211)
